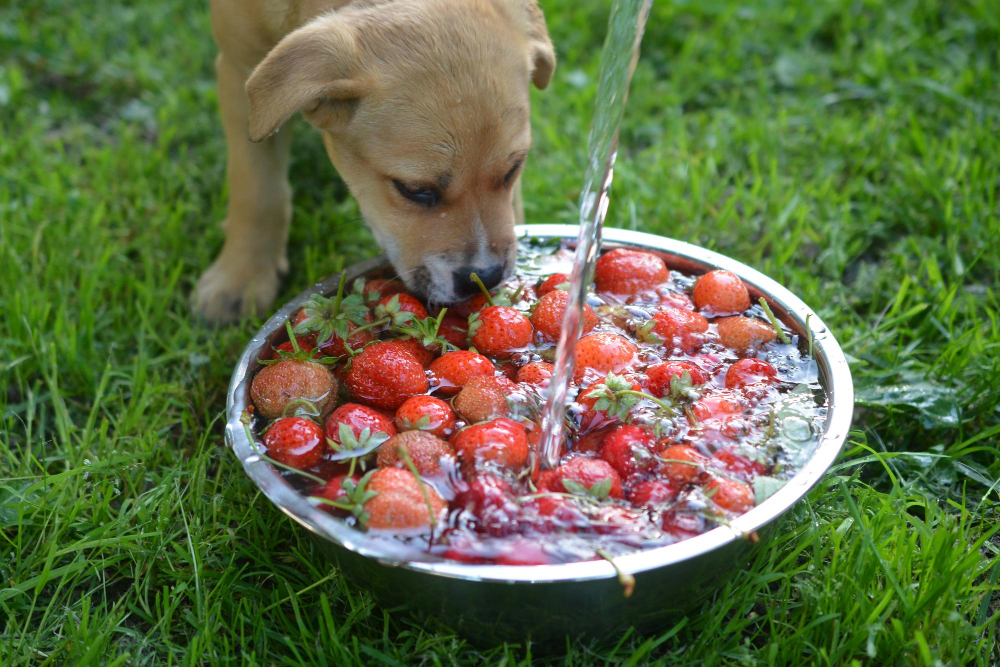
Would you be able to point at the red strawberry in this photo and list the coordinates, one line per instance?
(483, 398)
(425, 450)
(295, 441)
(720, 292)
(279, 384)
(548, 316)
(523, 551)
(417, 349)
(470, 306)
(745, 334)
(490, 499)
(652, 492)
(385, 375)
(592, 418)
(500, 330)
(455, 330)
(628, 449)
(335, 346)
(400, 502)
(623, 271)
(335, 491)
(536, 373)
(394, 304)
(454, 369)
(730, 494)
(356, 418)
(720, 405)
(737, 465)
(679, 328)
(305, 344)
(682, 463)
(501, 440)
(603, 353)
(584, 476)
(426, 413)
(553, 282)
(661, 375)
(746, 372)
(380, 288)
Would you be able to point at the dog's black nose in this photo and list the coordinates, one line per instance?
(465, 287)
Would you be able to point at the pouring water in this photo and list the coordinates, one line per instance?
(618, 60)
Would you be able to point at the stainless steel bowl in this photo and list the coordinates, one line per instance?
(493, 603)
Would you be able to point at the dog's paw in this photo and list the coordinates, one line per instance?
(231, 289)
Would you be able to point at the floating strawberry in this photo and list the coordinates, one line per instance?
(357, 427)
(557, 281)
(384, 375)
(501, 440)
(720, 292)
(426, 413)
(745, 334)
(401, 502)
(746, 372)
(548, 315)
(483, 398)
(286, 383)
(623, 271)
(628, 449)
(426, 451)
(674, 327)
(603, 353)
(583, 476)
(454, 369)
(296, 442)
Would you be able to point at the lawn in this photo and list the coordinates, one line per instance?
(848, 148)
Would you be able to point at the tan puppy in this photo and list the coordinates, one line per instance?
(423, 108)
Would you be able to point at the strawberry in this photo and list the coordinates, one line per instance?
(548, 315)
(287, 382)
(746, 372)
(491, 500)
(384, 375)
(355, 426)
(379, 288)
(401, 502)
(745, 334)
(500, 330)
(305, 345)
(737, 465)
(661, 376)
(557, 281)
(400, 309)
(607, 401)
(455, 330)
(603, 353)
(501, 440)
(523, 551)
(536, 373)
(583, 476)
(426, 413)
(719, 406)
(337, 490)
(426, 451)
(295, 441)
(730, 495)
(681, 464)
(423, 356)
(674, 327)
(623, 271)
(652, 492)
(454, 369)
(628, 449)
(720, 292)
(483, 398)
(336, 322)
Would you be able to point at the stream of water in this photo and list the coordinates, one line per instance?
(618, 60)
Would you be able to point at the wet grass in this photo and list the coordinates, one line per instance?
(849, 149)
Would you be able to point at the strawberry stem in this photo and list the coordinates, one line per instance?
(648, 397)
(474, 278)
(624, 578)
(405, 455)
(291, 337)
(340, 293)
(774, 321)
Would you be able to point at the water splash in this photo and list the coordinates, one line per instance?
(618, 60)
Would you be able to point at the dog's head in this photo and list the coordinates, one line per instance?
(424, 110)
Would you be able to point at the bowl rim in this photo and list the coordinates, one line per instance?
(834, 373)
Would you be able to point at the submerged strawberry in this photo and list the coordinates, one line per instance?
(682, 463)
(628, 449)
(583, 476)
(401, 502)
(385, 375)
(746, 372)
(652, 492)
(295, 441)
(662, 376)
(730, 494)
(427, 452)
(483, 398)
(502, 440)
(624, 271)
(287, 382)
(674, 327)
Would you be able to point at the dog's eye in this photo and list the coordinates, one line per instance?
(424, 195)
(509, 178)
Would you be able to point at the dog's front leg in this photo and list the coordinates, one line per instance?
(246, 275)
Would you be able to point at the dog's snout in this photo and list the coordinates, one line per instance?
(466, 287)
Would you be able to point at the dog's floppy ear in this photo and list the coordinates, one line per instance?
(313, 69)
(543, 55)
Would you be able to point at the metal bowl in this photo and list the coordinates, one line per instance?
(493, 603)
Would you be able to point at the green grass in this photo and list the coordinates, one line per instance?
(848, 148)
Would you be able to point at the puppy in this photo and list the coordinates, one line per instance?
(423, 107)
